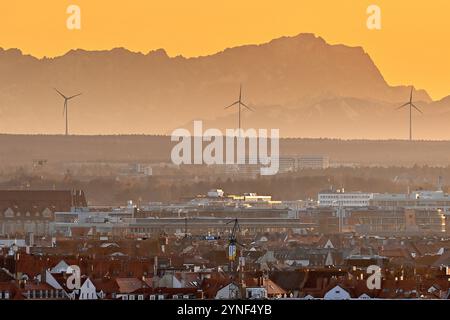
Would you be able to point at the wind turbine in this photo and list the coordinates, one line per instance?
(240, 104)
(411, 106)
(65, 110)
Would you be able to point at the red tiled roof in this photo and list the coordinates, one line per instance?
(211, 286)
(32, 200)
(128, 285)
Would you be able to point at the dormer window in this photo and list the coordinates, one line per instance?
(46, 213)
(9, 213)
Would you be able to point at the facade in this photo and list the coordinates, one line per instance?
(88, 291)
(340, 198)
(313, 162)
(337, 293)
(433, 200)
(215, 193)
(230, 291)
(399, 220)
(250, 168)
(31, 211)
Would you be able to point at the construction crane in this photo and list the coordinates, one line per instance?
(232, 250)
(233, 242)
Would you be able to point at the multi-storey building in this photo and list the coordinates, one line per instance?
(31, 211)
(340, 198)
(433, 200)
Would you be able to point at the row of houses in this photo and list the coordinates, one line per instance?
(324, 283)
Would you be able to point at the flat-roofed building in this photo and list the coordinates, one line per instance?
(313, 162)
(432, 200)
(340, 198)
(399, 220)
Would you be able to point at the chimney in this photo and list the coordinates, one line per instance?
(43, 276)
(440, 183)
(155, 266)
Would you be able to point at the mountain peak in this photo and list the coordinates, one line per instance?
(161, 53)
(300, 75)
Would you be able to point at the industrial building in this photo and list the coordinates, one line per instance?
(340, 198)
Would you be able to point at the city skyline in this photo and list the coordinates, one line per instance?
(225, 158)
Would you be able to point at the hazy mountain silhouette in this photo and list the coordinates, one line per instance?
(300, 84)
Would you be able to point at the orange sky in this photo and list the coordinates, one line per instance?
(412, 47)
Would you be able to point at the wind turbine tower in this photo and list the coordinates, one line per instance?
(411, 106)
(240, 104)
(65, 108)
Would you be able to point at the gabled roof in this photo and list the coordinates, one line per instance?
(289, 280)
(128, 285)
(337, 293)
(107, 286)
(61, 267)
(211, 286)
(443, 260)
(272, 288)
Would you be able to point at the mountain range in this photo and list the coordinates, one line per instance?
(301, 85)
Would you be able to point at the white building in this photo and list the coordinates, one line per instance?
(341, 198)
(430, 200)
(215, 193)
(88, 291)
(313, 162)
(256, 293)
(230, 291)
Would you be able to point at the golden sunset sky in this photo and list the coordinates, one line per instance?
(413, 46)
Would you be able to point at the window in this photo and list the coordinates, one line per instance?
(141, 297)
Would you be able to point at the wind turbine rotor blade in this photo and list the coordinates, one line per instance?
(240, 92)
(60, 93)
(247, 106)
(234, 103)
(65, 107)
(415, 107)
(402, 106)
(410, 97)
(74, 96)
